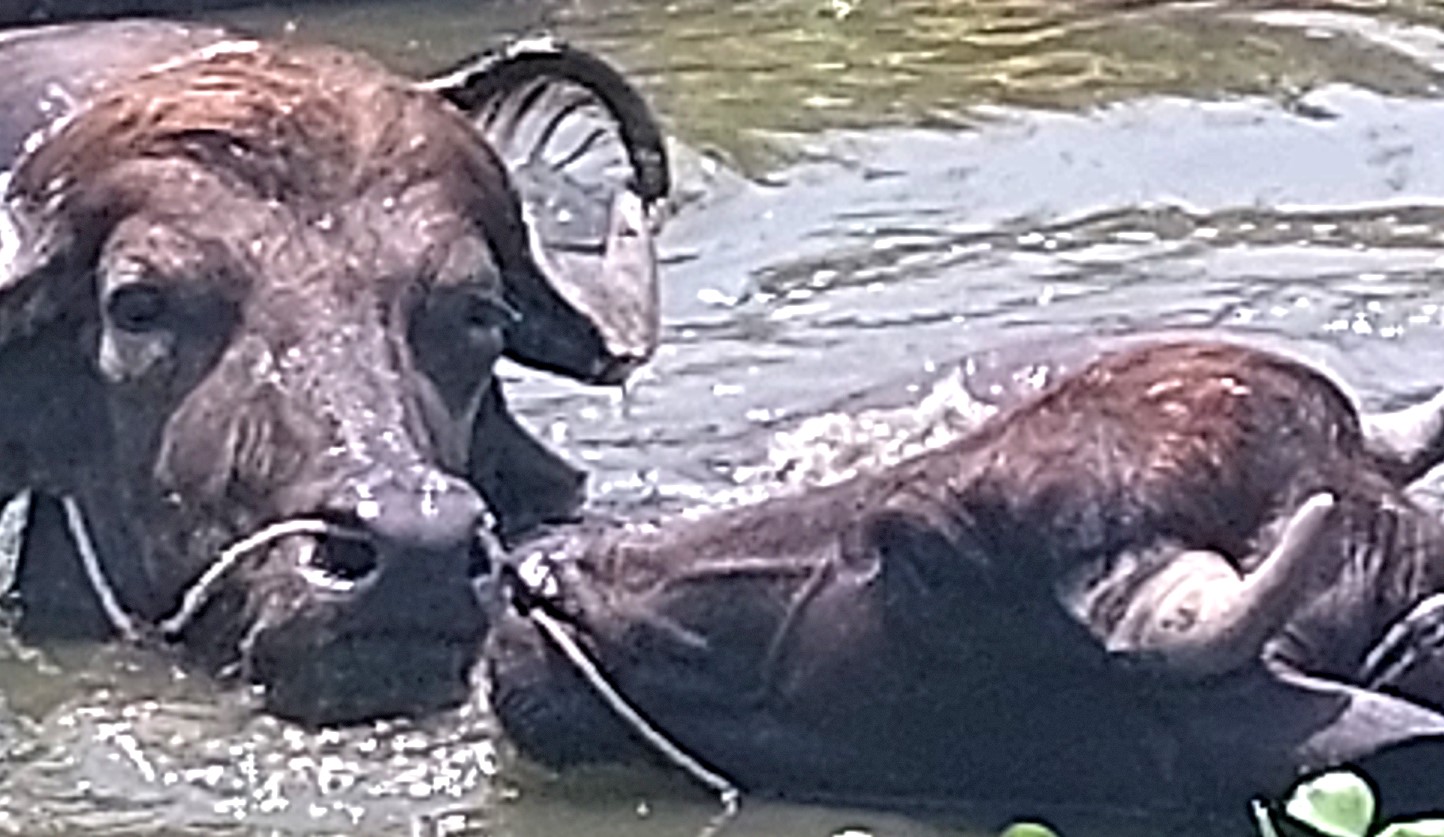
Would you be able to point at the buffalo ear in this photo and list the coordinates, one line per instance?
(587, 159)
(524, 483)
(51, 413)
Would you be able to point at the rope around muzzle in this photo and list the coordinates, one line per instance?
(530, 594)
(199, 593)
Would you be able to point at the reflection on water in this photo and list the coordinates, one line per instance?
(729, 76)
(880, 204)
(801, 66)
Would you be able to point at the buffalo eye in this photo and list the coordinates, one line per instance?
(489, 313)
(136, 307)
(456, 334)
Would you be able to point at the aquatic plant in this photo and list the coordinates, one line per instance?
(1338, 803)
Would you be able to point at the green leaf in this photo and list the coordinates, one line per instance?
(1339, 803)
(1028, 829)
(1263, 819)
(1415, 828)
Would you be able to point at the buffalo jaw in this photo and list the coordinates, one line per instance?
(365, 622)
(1201, 618)
(336, 652)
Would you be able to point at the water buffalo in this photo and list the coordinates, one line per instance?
(251, 295)
(1169, 579)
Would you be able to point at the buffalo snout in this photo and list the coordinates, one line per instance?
(365, 604)
(377, 614)
(434, 530)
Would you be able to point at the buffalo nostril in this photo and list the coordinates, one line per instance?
(339, 564)
(346, 559)
(403, 531)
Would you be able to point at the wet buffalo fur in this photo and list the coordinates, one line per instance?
(254, 283)
(934, 632)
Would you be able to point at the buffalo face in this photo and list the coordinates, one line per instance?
(256, 295)
(798, 651)
(954, 629)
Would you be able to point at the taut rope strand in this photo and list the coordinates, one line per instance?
(727, 793)
(124, 623)
(200, 592)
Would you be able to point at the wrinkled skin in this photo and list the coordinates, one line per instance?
(1075, 605)
(253, 284)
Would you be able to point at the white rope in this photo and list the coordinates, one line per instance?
(124, 623)
(727, 793)
(199, 593)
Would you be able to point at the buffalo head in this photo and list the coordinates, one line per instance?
(1155, 583)
(256, 292)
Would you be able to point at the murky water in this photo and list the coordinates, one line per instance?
(871, 195)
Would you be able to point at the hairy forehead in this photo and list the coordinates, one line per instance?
(277, 158)
(290, 123)
(315, 133)
(206, 232)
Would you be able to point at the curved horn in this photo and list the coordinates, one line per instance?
(589, 163)
(487, 78)
(1202, 618)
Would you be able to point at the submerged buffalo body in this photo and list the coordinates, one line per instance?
(1170, 579)
(250, 299)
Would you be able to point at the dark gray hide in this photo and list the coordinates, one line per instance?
(244, 283)
(951, 630)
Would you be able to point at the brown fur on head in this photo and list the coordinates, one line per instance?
(303, 126)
